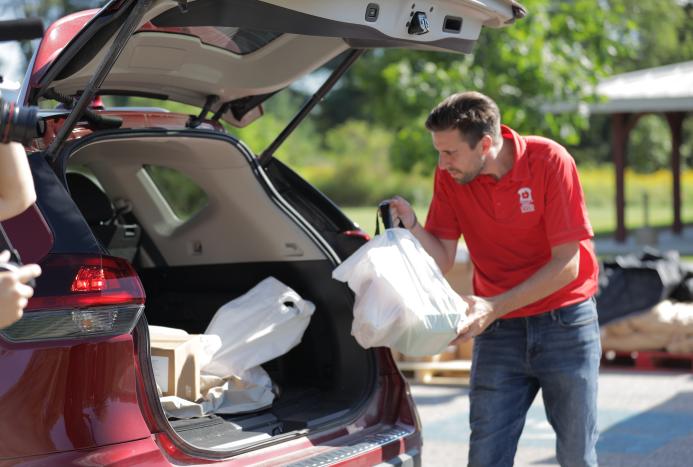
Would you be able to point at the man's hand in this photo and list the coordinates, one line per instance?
(442, 250)
(402, 211)
(14, 293)
(480, 315)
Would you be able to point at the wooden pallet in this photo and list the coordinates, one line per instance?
(448, 372)
(647, 360)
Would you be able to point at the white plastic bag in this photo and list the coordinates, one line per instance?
(264, 323)
(233, 395)
(259, 326)
(402, 299)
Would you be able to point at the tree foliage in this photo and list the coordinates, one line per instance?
(556, 54)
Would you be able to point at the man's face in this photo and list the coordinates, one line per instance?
(455, 156)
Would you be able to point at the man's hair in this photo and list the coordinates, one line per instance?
(472, 113)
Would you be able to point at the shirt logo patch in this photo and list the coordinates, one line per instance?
(526, 201)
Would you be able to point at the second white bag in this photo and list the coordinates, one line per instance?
(264, 323)
(402, 300)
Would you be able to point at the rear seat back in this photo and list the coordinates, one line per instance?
(120, 239)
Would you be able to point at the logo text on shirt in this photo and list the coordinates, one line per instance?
(526, 201)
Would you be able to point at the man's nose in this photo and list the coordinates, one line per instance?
(443, 162)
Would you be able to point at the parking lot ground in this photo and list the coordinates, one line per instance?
(645, 420)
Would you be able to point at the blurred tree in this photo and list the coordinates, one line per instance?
(556, 54)
(51, 10)
(649, 147)
(663, 33)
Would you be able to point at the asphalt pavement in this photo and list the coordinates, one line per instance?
(645, 420)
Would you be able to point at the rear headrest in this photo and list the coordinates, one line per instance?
(90, 199)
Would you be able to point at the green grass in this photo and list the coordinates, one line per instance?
(599, 187)
(603, 218)
(364, 216)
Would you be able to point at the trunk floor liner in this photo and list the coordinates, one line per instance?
(228, 431)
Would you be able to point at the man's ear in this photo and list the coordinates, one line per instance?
(486, 143)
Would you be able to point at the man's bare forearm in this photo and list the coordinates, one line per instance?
(435, 247)
(442, 250)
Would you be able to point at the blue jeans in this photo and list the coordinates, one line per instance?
(559, 352)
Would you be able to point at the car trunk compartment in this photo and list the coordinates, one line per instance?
(325, 380)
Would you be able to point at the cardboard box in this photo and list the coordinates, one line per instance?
(176, 367)
(465, 350)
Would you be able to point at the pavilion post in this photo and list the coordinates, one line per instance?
(619, 134)
(675, 120)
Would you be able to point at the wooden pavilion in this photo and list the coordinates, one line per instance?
(665, 90)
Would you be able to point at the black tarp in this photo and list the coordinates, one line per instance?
(631, 284)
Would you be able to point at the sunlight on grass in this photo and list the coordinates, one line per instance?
(598, 184)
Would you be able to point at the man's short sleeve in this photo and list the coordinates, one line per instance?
(442, 220)
(565, 213)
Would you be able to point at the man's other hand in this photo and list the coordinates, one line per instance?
(14, 293)
(480, 315)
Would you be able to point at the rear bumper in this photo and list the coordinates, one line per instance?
(397, 446)
(379, 449)
(408, 459)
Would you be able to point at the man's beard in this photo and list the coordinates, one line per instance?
(465, 178)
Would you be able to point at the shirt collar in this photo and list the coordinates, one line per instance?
(520, 170)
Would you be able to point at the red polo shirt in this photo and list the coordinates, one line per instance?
(511, 224)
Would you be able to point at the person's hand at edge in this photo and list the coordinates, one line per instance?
(14, 293)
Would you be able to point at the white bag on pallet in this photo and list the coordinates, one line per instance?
(402, 299)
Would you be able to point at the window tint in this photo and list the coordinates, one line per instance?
(183, 195)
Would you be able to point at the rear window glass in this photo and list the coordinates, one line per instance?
(236, 40)
(183, 195)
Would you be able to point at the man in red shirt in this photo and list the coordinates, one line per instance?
(518, 203)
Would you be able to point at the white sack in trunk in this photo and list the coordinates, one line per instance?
(233, 395)
(402, 299)
(263, 324)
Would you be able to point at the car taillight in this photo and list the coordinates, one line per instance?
(357, 233)
(80, 296)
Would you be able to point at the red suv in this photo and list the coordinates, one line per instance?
(148, 217)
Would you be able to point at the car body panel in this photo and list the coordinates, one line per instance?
(57, 36)
(142, 452)
(70, 395)
(36, 246)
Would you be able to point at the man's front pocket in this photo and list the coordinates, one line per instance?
(577, 315)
